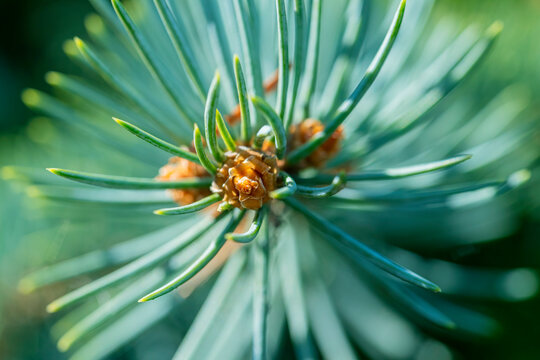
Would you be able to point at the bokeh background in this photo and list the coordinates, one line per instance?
(32, 35)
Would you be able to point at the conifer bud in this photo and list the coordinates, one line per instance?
(178, 169)
(246, 178)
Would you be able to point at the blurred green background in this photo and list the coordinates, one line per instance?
(32, 33)
(31, 36)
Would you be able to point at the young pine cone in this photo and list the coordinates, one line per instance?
(304, 131)
(178, 169)
(246, 178)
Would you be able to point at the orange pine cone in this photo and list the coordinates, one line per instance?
(178, 169)
(304, 131)
(246, 178)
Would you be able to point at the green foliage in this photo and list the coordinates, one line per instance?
(317, 253)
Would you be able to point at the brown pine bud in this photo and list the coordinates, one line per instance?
(246, 178)
(304, 131)
(178, 169)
